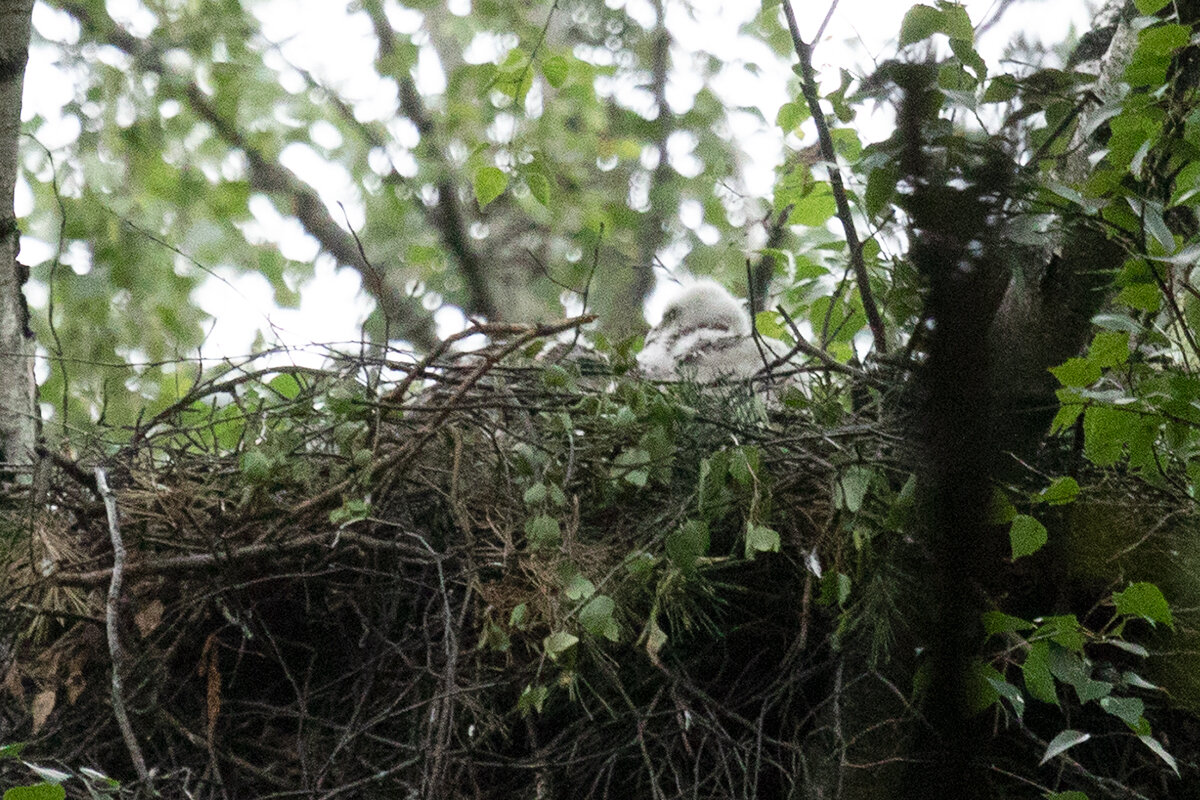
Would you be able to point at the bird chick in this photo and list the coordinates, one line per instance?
(704, 335)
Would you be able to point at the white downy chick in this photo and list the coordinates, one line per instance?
(704, 335)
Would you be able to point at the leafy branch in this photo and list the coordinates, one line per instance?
(808, 83)
(268, 175)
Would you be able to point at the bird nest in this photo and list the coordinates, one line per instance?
(470, 576)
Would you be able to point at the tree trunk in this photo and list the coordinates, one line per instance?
(18, 397)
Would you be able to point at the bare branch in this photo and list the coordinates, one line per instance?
(112, 622)
(808, 83)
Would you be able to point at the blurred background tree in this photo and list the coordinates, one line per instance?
(488, 159)
(494, 161)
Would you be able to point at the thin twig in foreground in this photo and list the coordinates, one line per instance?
(110, 618)
(812, 97)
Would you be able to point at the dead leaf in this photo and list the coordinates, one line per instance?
(149, 617)
(212, 669)
(76, 683)
(43, 704)
(12, 682)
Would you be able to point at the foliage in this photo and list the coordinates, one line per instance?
(564, 584)
(594, 545)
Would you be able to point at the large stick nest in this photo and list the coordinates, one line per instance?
(475, 576)
(468, 579)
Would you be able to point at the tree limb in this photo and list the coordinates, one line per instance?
(449, 221)
(268, 175)
(112, 624)
(808, 83)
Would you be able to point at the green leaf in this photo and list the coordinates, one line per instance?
(555, 70)
(995, 622)
(1129, 647)
(490, 183)
(1127, 709)
(539, 187)
(1060, 492)
(632, 465)
(517, 618)
(967, 55)
(1039, 681)
(953, 78)
(1026, 536)
(1063, 630)
(1071, 795)
(257, 466)
(1064, 742)
(535, 494)
(835, 589)
(1147, 7)
(815, 208)
(688, 543)
(1000, 89)
(760, 539)
(1068, 411)
(844, 585)
(956, 22)
(1078, 372)
(1144, 600)
(1105, 432)
(285, 385)
(40, 791)
(980, 686)
(543, 532)
(1141, 296)
(351, 511)
(558, 644)
(597, 618)
(770, 325)
(920, 23)
(1162, 40)
(1160, 751)
(852, 487)
(579, 587)
(1010, 693)
(532, 698)
(792, 115)
(1109, 349)
(1001, 510)
(745, 464)
(881, 188)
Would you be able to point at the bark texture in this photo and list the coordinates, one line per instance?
(18, 398)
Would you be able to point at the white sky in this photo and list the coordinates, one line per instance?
(339, 49)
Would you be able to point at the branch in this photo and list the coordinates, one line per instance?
(266, 551)
(115, 651)
(524, 334)
(812, 97)
(804, 346)
(269, 176)
(449, 220)
(650, 234)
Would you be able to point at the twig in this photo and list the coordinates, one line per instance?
(249, 553)
(524, 335)
(762, 352)
(116, 653)
(812, 97)
(803, 346)
(825, 23)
